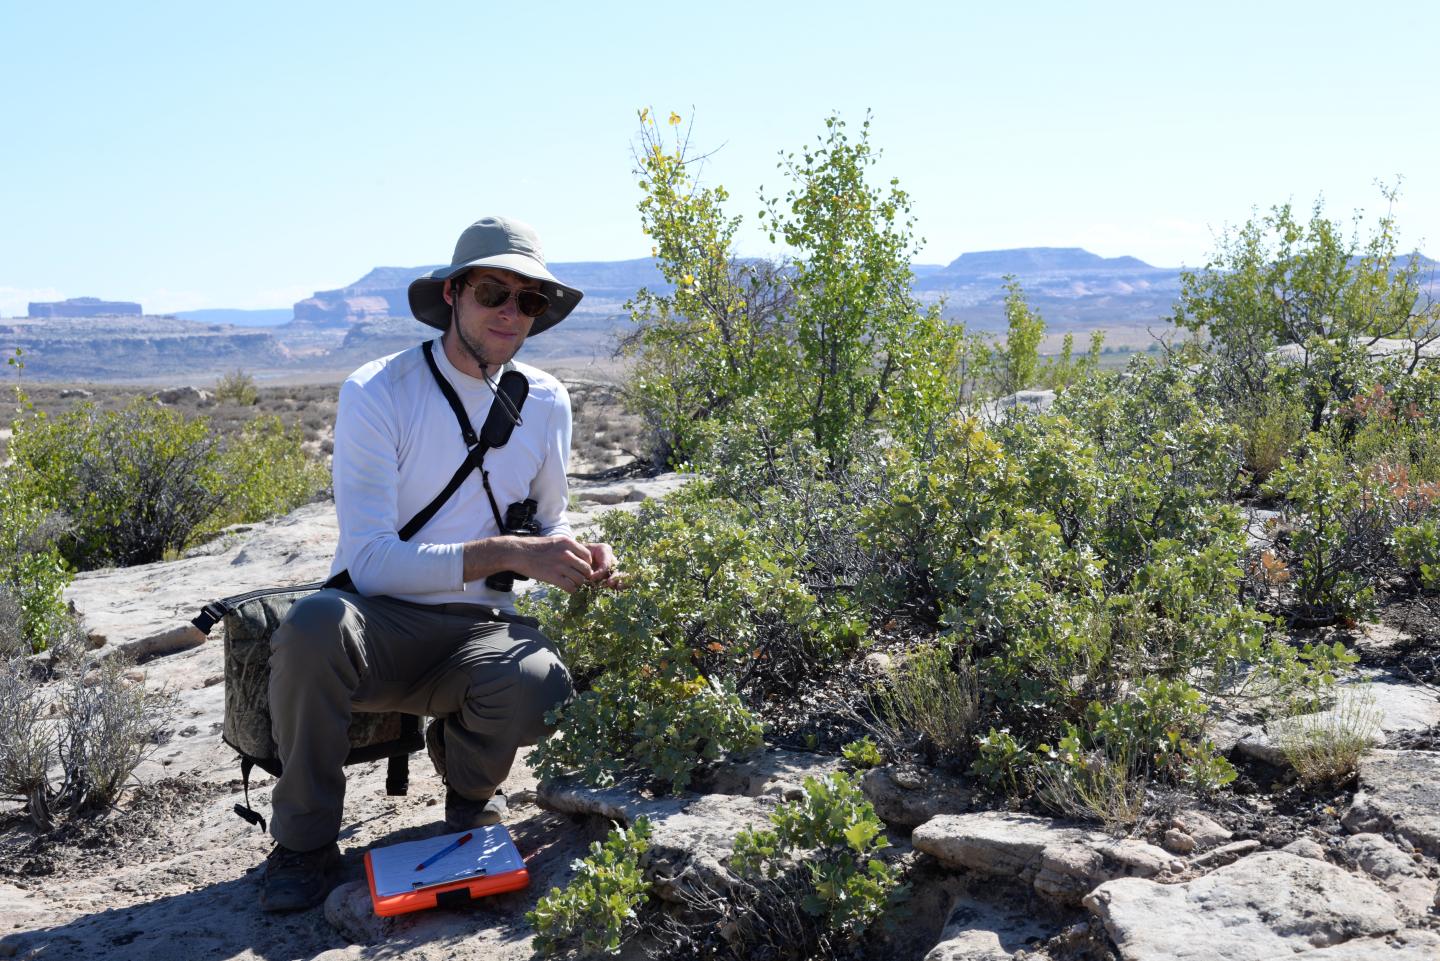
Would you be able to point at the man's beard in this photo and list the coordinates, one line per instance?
(473, 349)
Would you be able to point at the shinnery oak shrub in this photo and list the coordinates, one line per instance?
(834, 828)
(1339, 535)
(596, 910)
(33, 575)
(709, 604)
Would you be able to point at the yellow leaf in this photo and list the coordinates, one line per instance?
(674, 118)
(689, 280)
(645, 115)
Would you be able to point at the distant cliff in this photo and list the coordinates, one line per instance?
(83, 307)
(383, 291)
(1071, 287)
(135, 347)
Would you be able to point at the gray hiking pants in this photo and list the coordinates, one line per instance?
(338, 652)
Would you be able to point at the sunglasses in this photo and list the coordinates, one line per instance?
(489, 294)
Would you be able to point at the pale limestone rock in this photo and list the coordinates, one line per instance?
(1379, 858)
(779, 773)
(1205, 830)
(907, 807)
(878, 662)
(985, 924)
(1062, 862)
(1400, 794)
(1177, 841)
(1266, 906)
(1226, 854)
(1409, 945)
(1402, 704)
(1305, 848)
(183, 395)
(691, 836)
(1396, 871)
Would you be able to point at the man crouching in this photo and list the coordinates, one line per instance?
(415, 628)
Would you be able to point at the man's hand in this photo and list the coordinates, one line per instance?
(603, 568)
(555, 559)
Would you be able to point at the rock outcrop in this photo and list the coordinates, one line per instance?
(1399, 793)
(1263, 907)
(1062, 862)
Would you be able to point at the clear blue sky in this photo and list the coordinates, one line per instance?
(243, 155)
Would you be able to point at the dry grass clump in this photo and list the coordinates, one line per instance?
(82, 718)
(929, 699)
(1325, 747)
(1105, 786)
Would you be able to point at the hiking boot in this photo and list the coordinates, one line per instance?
(296, 880)
(462, 813)
(435, 745)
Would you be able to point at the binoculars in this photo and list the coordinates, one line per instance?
(519, 521)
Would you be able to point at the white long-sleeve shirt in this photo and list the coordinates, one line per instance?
(397, 444)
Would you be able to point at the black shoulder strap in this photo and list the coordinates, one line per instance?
(495, 433)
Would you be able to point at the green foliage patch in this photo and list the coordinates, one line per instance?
(597, 909)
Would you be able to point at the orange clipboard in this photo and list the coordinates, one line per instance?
(453, 870)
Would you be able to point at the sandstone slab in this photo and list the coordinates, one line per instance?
(907, 802)
(988, 925)
(778, 773)
(1060, 861)
(1396, 871)
(691, 836)
(1265, 906)
(1405, 946)
(1399, 793)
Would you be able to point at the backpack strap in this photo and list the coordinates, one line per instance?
(247, 764)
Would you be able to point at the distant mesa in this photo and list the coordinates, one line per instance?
(84, 307)
(1036, 260)
(380, 293)
(383, 292)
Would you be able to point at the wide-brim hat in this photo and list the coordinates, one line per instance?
(504, 244)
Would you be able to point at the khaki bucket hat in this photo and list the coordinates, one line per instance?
(504, 244)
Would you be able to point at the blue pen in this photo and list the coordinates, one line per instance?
(444, 851)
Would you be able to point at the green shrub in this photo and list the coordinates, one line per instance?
(838, 833)
(1271, 433)
(713, 608)
(33, 575)
(141, 482)
(1340, 528)
(1001, 763)
(664, 719)
(596, 910)
(237, 387)
(265, 472)
(863, 753)
(841, 310)
(1280, 280)
(1417, 548)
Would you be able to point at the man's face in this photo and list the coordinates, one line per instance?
(494, 333)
